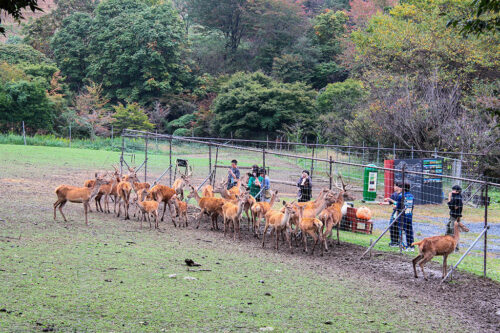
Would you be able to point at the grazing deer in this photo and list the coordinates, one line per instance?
(231, 213)
(332, 215)
(181, 209)
(147, 208)
(310, 226)
(437, 246)
(124, 188)
(280, 222)
(75, 194)
(163, 193)
(209, 205)
(259, 210)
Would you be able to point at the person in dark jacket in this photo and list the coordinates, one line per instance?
(233, 174)
(305, 187)
(456, 205)
(394, 229)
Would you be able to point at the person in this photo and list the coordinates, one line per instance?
(265, 186)
(394, 229)
(233, 175)
(456, 205)
(254, 183)
(407, 217)
(305, 187)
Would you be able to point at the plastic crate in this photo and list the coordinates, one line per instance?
(351, 223)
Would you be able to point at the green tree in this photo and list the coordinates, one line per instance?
(92, 111)
(254, 105)
(132, 117)
(20, 53)
(14, 8)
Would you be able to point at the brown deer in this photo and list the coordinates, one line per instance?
(259, 210)
(207, 191)
(280, 222)
(332, 215)
(437, 246)
(310, 226)
(124, 188)
(231, 213)
(209, 205)
(162, 193)
(233, 195)
(180, 208)
(106, 191)
(75, 194)
(147, 208)
(179, 185)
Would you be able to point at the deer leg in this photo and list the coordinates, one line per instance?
(106, 203)
(199, 219)
(304, 237)
(414, 261)
(119, 208)
(127, 217)
(445, 257)
(264, 234)
(425, 259)
(56, 204)
(186, 219)
(61, 205)
(289, 239)
(164, 209)
(315, 238)
(115, 202)
(157, 225)
(338, 228)
(86, 206)
(328, 230)
(226, 226)
(172, 215)
(278, 232)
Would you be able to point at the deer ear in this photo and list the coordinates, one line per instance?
(284, 202)
(96, 175)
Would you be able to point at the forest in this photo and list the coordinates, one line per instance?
(348, 72)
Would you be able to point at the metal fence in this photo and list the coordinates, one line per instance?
(156, 155)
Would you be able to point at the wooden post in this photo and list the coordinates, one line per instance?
(112, 133)
(215, 165)
(146, 159)
(402, 215)
(363, 158)
(312, 162)
(378, 153)
(263, 158)
(485, 250)
(394, 150)
(331, 176)
(24, 134)
(121, 157)
(69, 135)
(210, 161)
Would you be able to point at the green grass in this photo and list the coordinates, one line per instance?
(111, 276)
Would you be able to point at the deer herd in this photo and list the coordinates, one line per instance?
(295, 220)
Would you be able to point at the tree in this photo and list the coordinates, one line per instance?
(20, 53)
(132, 117)
(91, 110)
(254, 105)
(70, 46)
(482, 16)
(14, 8)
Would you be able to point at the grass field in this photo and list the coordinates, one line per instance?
(112, 276)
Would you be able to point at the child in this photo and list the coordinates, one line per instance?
(407, 217)
(394, 229)
(265, 194)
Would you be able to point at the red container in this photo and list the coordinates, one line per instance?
(358, 225)
(388, 178)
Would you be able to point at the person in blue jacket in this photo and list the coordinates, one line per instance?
(394, 229)
(406, 205)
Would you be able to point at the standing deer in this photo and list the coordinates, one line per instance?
(75, 194)
(209, 205)
(146, 207)
(437, 246)
(279, 222)
(259, 210)
(310, 226)
(180, 208)
(232, 214)
(179, 185)
(163, 193)
(124, 189)
(106, 191)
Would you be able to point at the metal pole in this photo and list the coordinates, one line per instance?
(215, 165)
(210, 160)
(121, 157)
(403, 209)
(394, 150)
(411, 152)
(331, 176)
(486, 227)
(378, 152)
(146, 160)
(312, 162)
(170, 157)
(263, 158)
(381, 235)
(24, 134)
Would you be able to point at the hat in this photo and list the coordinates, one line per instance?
(306, 172)
(457, 188)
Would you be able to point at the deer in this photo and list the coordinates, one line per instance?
(310, 226)
(232, 213)
(90, 183)
(147, 208)
(430, 247)
(231, 195)
(259, 210)
(163, 193)
(225, 193)
(75, 194)
(332, 215)
(179, 185)
(280, 222)
(124, 188)
(209, 205)
(181, 208)
(106, 191)
(207, 191)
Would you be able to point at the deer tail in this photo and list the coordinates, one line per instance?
(417, 243)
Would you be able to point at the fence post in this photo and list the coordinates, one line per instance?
(312, 161)
(394, 150)
(267, 142)
(121, 157)
(215, 165)
(210, 161)
(69, 136)
(146, 159)
(486, 226)
(170, 159)
(264, 158)
(402, 215)
(331, 176)
(378, 152)
(112, 134)
(363, 156)
(24, 134)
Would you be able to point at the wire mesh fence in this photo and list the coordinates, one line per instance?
(426, 176)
